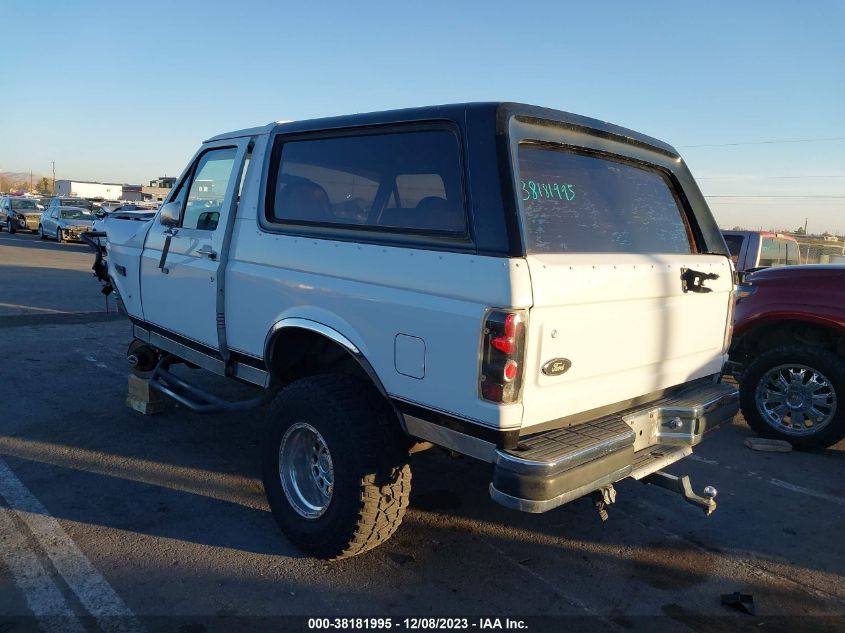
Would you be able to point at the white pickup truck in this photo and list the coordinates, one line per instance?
(538, 290)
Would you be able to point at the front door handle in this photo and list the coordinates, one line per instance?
(693, 280)
(207, 251)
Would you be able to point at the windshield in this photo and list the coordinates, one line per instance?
(76, 202)
(24, 205)
(77, 214)
(734, 243)
(583, 203)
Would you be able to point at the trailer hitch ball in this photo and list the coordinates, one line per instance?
(683, 487)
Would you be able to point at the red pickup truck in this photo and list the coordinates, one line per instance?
(751, 250)
(789, 351)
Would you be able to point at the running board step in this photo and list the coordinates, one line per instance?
(197, 399)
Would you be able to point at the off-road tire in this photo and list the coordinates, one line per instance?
(369, 451)
(829, 364)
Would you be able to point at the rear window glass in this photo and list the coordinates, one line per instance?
(77, 202)
(734, 243)
(577, 203)
(403, 181)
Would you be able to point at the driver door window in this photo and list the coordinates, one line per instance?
(208, 189)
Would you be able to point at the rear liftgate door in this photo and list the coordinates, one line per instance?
(624, 306)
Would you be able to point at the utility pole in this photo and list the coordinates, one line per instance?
(54, 177)
(805, 226)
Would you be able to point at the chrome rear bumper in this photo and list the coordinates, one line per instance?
(552, 468)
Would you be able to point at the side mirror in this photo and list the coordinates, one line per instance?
(170, 214)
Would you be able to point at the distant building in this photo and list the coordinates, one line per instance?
(132, 192)
(159, 188)
(86, 189)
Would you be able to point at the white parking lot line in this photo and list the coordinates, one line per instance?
(775, 482)
(40, 592)
(92, 589)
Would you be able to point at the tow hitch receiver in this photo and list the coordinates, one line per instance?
(683, 487)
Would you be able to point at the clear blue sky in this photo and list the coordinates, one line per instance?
(122, 91)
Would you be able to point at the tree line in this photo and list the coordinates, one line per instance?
(42, 186)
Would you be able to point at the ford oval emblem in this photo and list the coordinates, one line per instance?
(557, 366)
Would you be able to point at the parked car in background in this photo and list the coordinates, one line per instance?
(789, 346)
(108, 206)
(751, 250)
(66, 219)
(19, 214)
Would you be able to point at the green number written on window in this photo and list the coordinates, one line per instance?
(532, 190)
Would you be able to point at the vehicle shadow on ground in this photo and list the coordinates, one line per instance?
(195, 479)
(216, 475)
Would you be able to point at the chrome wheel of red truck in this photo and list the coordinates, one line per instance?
(795, 393)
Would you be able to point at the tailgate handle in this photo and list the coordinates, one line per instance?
(693, 280)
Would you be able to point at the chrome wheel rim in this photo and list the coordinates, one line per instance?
(306, 470)
(796, 399)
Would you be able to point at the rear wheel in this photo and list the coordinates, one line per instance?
(335, 466)
(796, 393)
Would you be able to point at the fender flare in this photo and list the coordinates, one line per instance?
(331, 334)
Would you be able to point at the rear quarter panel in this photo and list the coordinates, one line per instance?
(370, 293)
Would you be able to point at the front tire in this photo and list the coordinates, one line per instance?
(796, 393)
(10, 227)
(335, 466)
(41, 232)
(59, 237)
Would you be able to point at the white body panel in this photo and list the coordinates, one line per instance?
(369, 294)
(625, 324)
(125, 245)
(622, 320)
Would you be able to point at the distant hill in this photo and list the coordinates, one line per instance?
(8, 179)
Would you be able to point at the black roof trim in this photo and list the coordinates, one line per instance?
(548, 116)
(457, 112)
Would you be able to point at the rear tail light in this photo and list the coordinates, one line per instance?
(502, 351)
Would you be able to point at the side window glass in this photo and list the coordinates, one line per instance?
(792, 255)
(768, 252)
(399, 181)
(208, 188)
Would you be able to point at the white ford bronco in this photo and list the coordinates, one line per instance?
(540, 291)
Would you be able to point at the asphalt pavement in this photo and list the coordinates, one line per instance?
(115, 521)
